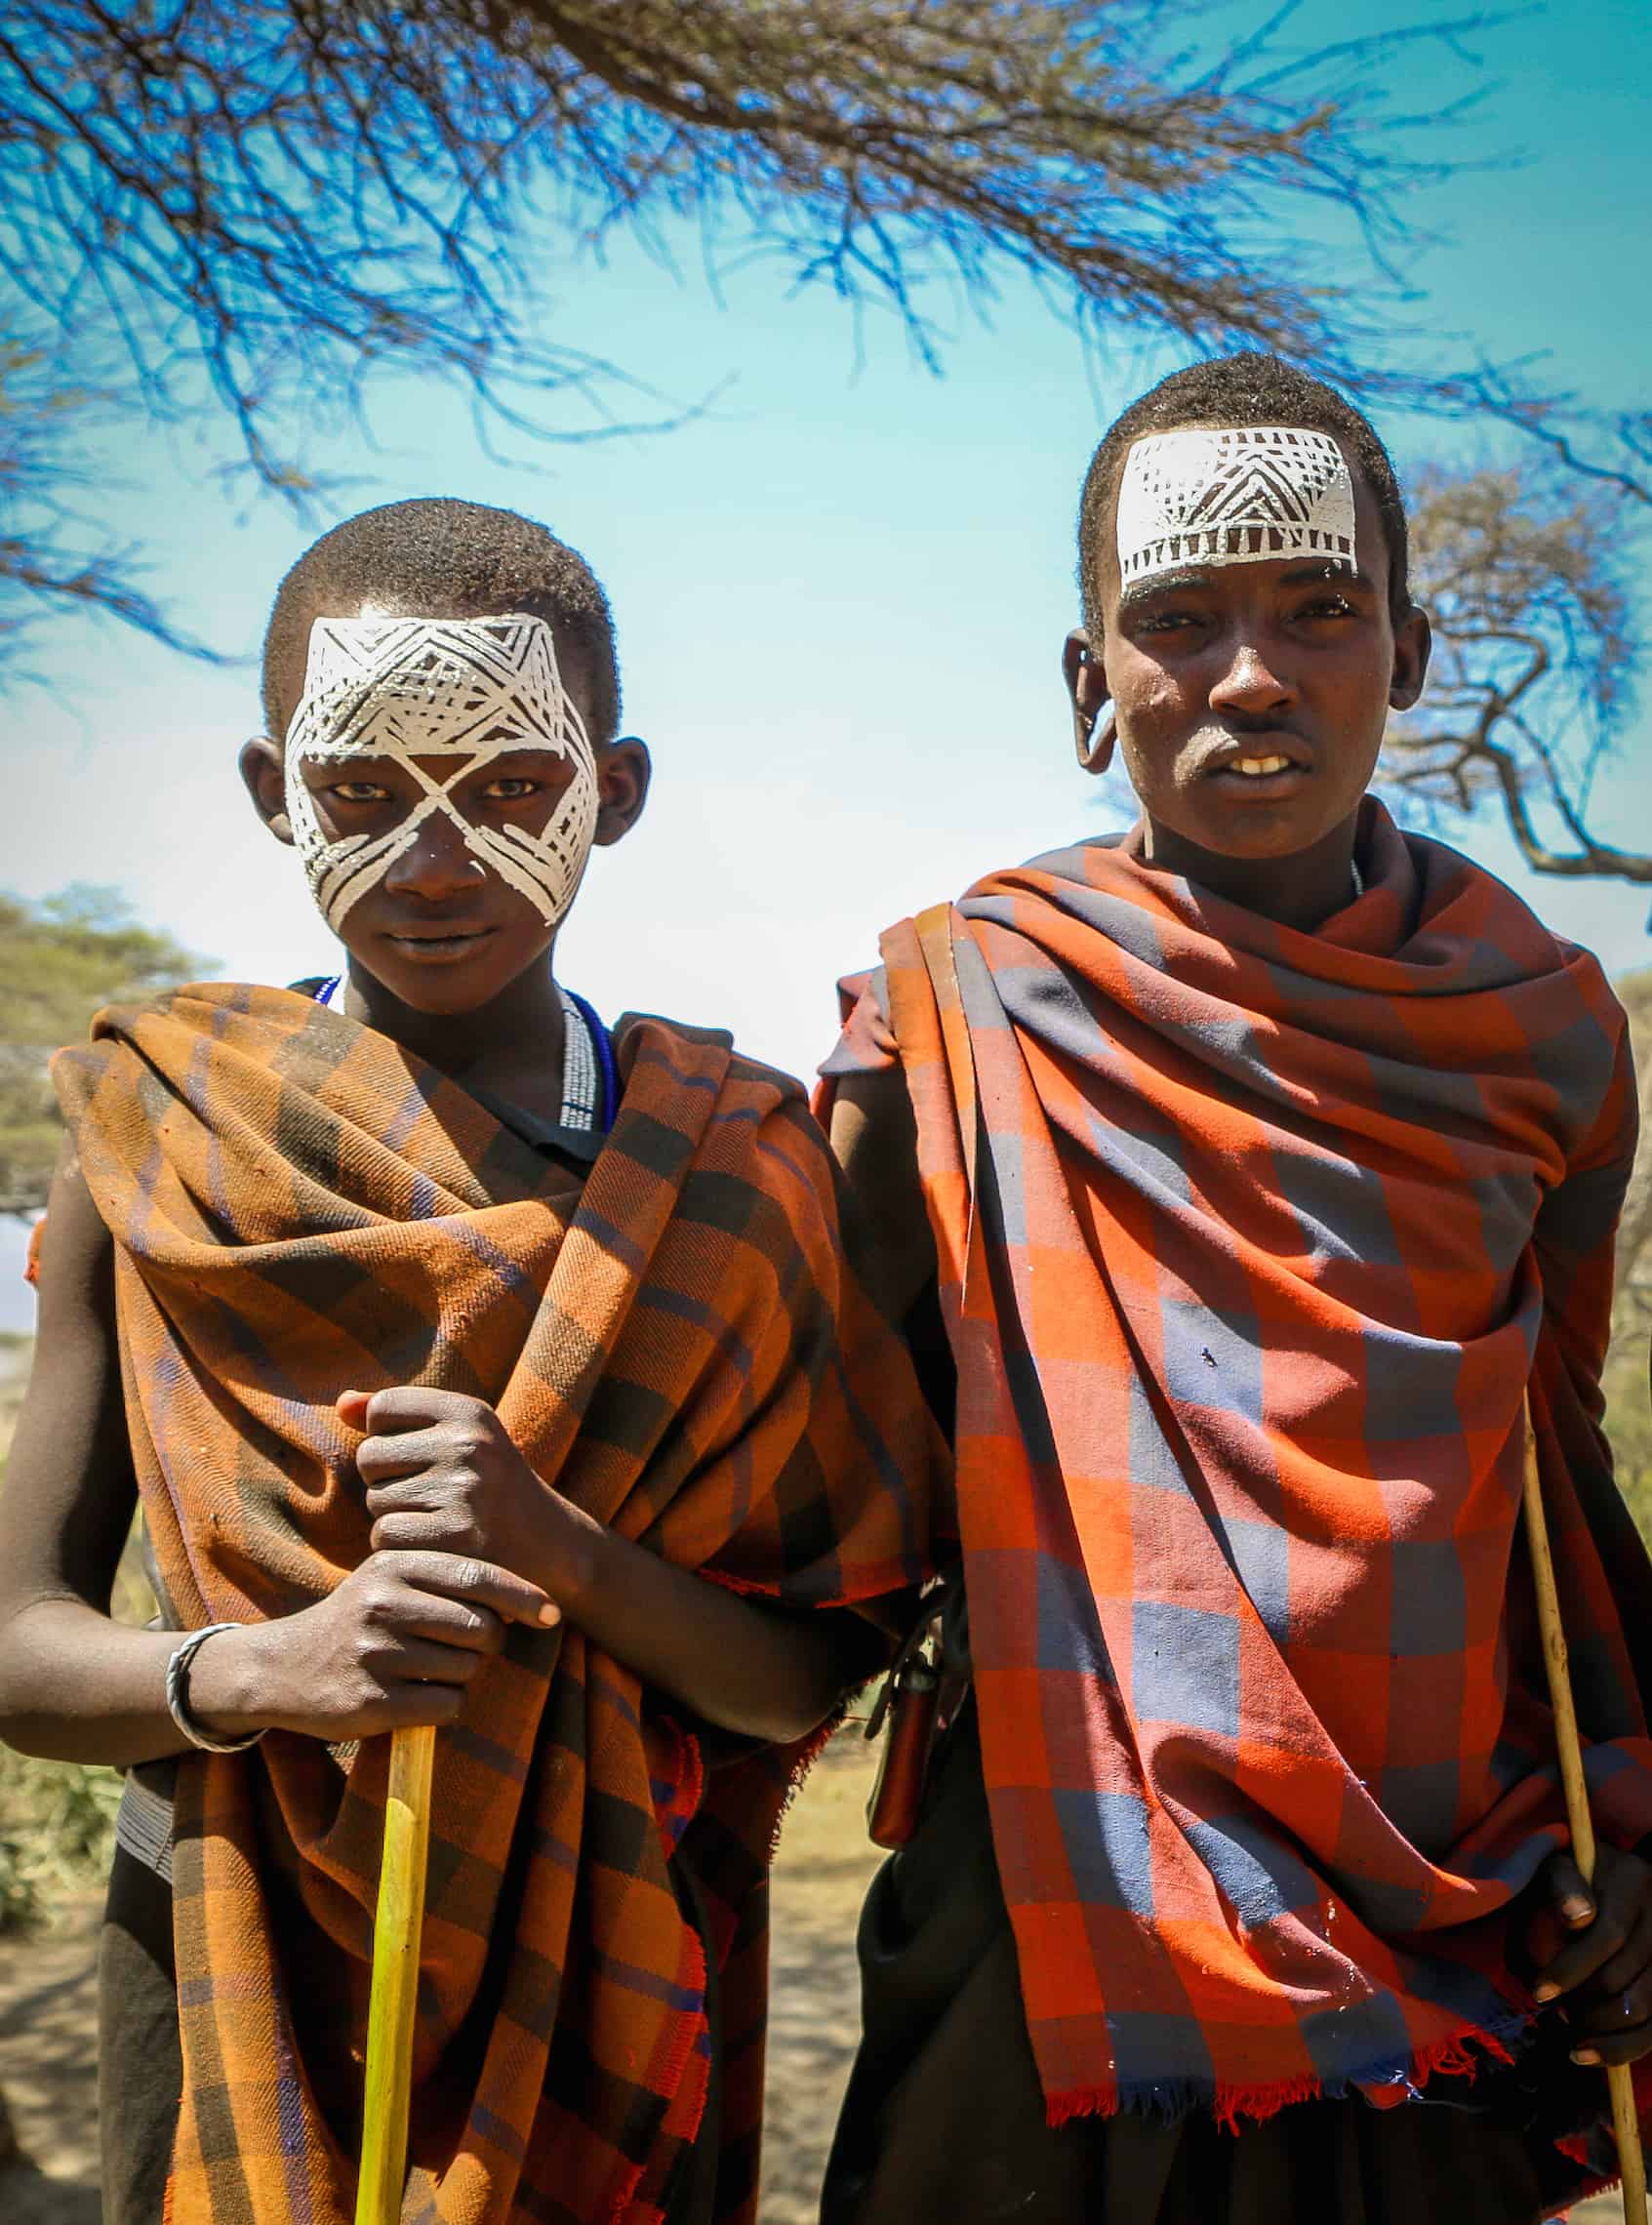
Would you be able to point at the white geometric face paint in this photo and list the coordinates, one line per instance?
(1232, 495)
(471, 689)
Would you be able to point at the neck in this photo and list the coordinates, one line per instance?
(1302, 890)
(512, 1043)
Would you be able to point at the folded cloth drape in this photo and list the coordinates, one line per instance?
(1249, 1242)
(299, 1206)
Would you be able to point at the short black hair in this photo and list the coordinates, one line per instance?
(1249, 389)
(446, 559)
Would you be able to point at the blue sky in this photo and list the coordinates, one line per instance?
(839, 594)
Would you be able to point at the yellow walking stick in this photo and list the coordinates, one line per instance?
(1620, 2082)
(395, 1979)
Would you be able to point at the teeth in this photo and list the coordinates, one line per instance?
(1254, 767)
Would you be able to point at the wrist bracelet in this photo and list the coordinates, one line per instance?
(178, 1695)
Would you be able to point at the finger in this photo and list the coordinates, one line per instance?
(1607, 2019)
(480, 1583)
(1583, 1955)
(406, 1452)
(426, 1661)
(1569, 1891)
(453, 1622)
(1627, 2046)
(405, 1707)
(350, 1407)
(417, 1407)
(422, 1529)
(1630, 1966)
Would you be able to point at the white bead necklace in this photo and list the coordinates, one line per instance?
(582, 1077)
(582, 1074)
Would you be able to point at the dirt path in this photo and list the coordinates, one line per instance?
(48, 2070)
(48, 2021)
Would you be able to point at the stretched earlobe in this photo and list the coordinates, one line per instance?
(1094, 740)
(1093, 733)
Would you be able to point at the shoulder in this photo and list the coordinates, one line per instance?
(74, 1257)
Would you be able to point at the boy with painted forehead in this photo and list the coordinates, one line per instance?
(476, 1365)
(1260, 1160)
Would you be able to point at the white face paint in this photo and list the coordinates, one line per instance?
(469, 689)
(1232, 495)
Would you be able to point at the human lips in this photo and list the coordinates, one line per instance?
(1263, 765)
(438, 942)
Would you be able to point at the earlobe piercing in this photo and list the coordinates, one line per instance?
(1093, 750)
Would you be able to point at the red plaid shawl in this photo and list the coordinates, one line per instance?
(1249, 1240)
(300, 1206)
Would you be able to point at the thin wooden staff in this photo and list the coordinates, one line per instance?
(395, 1998)
(1619, 2081)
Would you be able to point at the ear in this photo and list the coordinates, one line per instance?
(623, 770)
(1413, 642)
(1093, 734)
(267, 785)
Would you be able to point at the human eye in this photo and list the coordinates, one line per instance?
(1330, 605)
(1165, 621)
(511, 788)
(358, 791)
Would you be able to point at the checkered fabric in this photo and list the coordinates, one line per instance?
(300, 1206)
(1249, 1242)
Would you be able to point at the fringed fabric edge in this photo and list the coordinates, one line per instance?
(1461, 2054)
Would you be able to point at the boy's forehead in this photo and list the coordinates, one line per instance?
(384, 636)
(1200, 497)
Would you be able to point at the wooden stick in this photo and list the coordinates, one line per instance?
(1619, 2081)
(395, 1979)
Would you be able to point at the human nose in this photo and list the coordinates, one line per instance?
(1250, 683)
(436, 863)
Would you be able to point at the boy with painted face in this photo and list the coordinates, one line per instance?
(1260, 1160)
(477, 1368)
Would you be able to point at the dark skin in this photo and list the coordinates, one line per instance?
(1195, 675)
(456, 966)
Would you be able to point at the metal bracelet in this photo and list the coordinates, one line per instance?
(178, 1695)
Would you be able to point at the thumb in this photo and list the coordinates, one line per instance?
(351, 1407)
(1569, 1892)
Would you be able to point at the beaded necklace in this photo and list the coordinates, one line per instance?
(590, 1092)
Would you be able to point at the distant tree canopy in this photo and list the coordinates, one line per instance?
(1531, 577)
(1629, 1393)
(59, 960)
(256, 205)
(264, 201)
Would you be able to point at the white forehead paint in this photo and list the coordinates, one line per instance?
(1232, 495)
(471, 689)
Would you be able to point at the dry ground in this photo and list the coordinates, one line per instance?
(47, 2021)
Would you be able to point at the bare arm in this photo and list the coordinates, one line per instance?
(394, 1644)
(875, 1141)
(441, 1472)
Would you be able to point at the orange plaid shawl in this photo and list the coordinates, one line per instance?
(299, 1206)
(1249, 1240)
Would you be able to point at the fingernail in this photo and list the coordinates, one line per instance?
(551, 1614)
(1547, 1992)
(1584, 2055)
(1577, 1911)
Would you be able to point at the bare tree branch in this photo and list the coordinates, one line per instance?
(1527, 579)
(267, 201)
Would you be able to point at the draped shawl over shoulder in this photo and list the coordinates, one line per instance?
(1249, 1241)
(299, 1207)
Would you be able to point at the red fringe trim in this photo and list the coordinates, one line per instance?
(1463, 2055)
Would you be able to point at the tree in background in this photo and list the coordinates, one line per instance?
(1530, 576)
(263, 202)
(1629, 1393)
(59, 960)
(267, 201)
